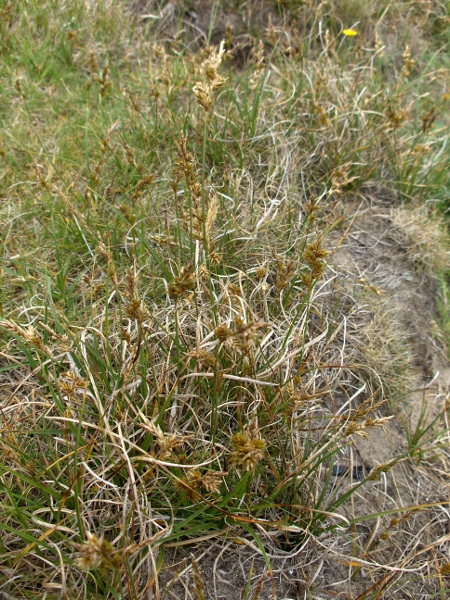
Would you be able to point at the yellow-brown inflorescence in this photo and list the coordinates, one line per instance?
(223, 332)
(203, 90)
(97, 553)
(165, 442)
(285, 273)
(199, 586)
(245, 334)
(313, 257)
(203, 205)
(71, 384)
(209, 480)
(247, 450)
(259, 65)
(134, 308)
(181, 284)
(197, 482)
(408, 62)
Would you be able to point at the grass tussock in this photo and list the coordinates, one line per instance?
(179, 359)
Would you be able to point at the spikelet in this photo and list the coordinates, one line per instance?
(313, 257)
(202, 93)
(203, 90)
(97, 553)
(166, 442)
(408, 62)
(181, 284)
(259, 65)
(247, 448)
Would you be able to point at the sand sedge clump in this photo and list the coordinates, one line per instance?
(142, 414)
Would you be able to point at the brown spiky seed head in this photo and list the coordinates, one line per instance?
(186, 279)
(202, 95)
(70, 383)
(96, 553)
(215, 258)
(222, 332)
(194, 479)
(212, 480)
(174, 290)
(314, 252)
(206, 358)
(261, 272)
(234, 289)
(306, 280)
(317, 269)
(90, 553)
(246, 452)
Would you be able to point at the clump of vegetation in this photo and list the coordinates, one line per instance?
(180, 358)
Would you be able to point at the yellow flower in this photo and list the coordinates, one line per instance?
(349, 32)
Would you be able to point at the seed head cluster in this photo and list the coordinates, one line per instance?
(181, 284)
(247, 451)
(97, 553)
(203, 203)
(203, 90)
(313, 257)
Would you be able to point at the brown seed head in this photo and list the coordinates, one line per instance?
(202, 95)
(222, 332)
(97, 553)
(246, 452)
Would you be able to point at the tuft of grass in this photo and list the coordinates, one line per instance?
(178, 362)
